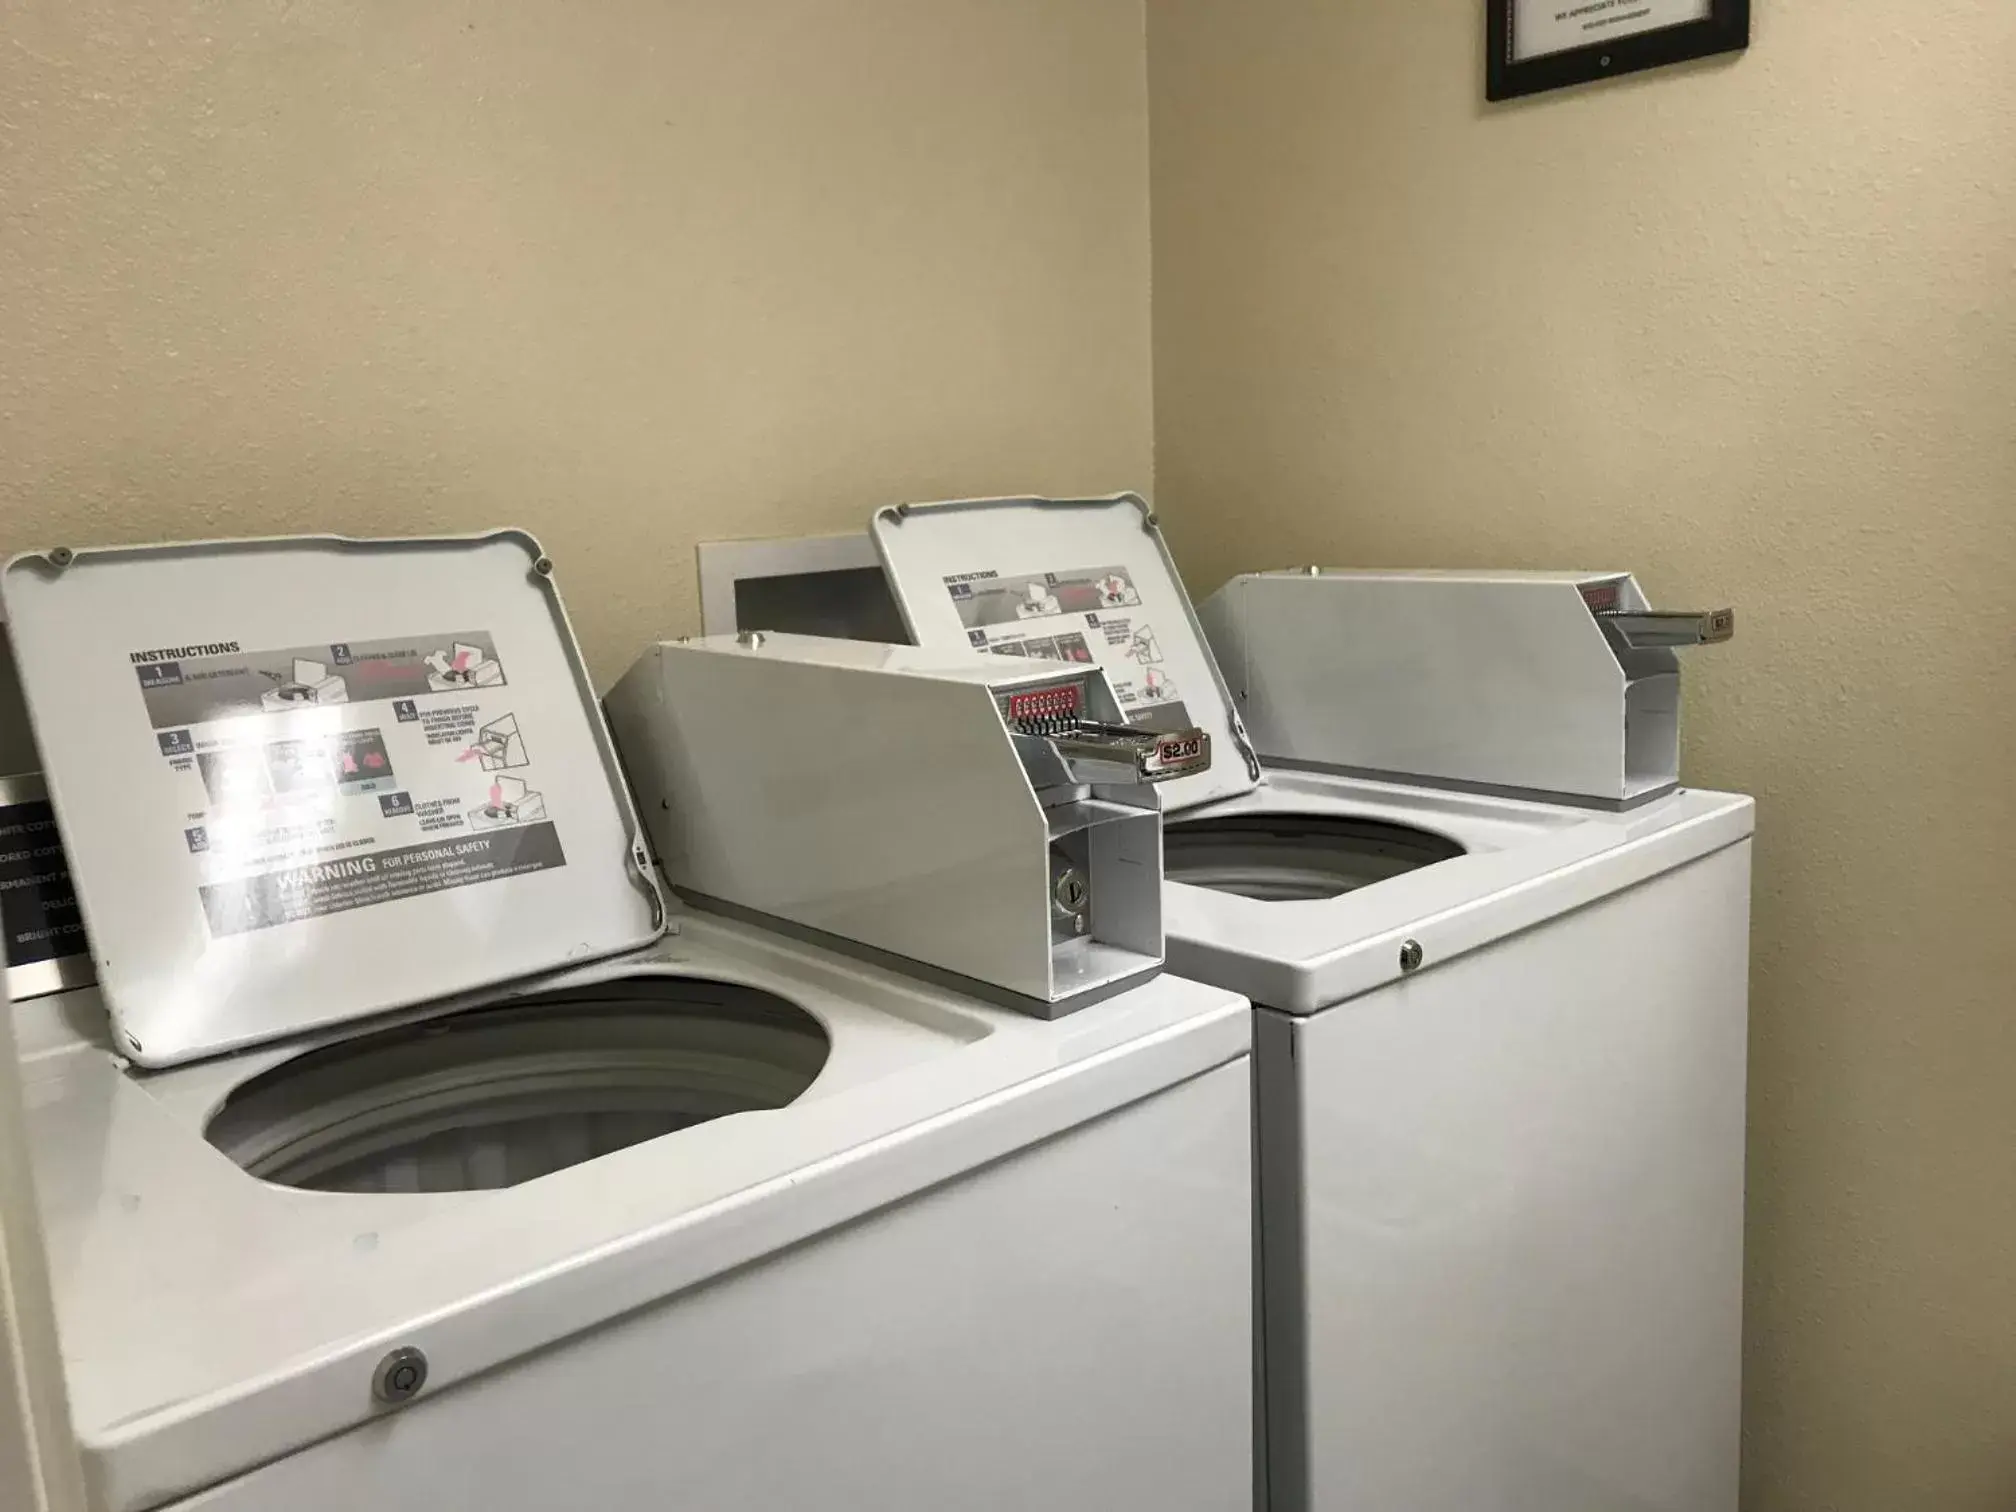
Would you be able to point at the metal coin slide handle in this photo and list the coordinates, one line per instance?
(1645, 629)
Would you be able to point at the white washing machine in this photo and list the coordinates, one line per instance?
(1501, 1043)
(445, 1165)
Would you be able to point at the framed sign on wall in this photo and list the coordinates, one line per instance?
(1547, 44)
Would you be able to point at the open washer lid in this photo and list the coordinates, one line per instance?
(1078, 580)
(305, 781)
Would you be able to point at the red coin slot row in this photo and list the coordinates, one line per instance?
(1044, 703)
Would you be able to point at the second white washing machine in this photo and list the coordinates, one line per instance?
(415, 1150)
(1501, 1042)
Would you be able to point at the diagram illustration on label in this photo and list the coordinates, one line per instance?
(462, 666)
(325, 778)
(509, 801)
(1041, 595)
(1087, 615)
(307, 682)
(499, 746)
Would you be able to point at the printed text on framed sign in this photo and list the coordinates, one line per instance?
(1534, 45)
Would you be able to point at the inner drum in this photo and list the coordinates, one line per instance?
(491, 1097)
(1282, 858)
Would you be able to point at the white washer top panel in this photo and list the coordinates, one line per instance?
(1526, 863)
(1085, 580)
(196, 1349)
(306, 781)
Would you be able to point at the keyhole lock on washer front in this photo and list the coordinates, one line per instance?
(1072, 894)
(399, 1376)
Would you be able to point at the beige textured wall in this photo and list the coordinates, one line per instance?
(1749, 328)
(630, 274)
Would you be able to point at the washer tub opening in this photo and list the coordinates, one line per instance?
(495, 1096)
(1283, 858)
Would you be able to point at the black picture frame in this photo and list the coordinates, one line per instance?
(1727, 29)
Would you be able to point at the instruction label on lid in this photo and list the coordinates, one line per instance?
(319, 779)
(1091, 615)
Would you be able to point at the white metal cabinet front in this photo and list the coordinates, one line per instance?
(1068, 1329)
(888, 799)
(1526, 864)
(1503, 1258)
(196, 1350)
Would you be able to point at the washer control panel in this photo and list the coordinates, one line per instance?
(1040, 711)
(1098, 750)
